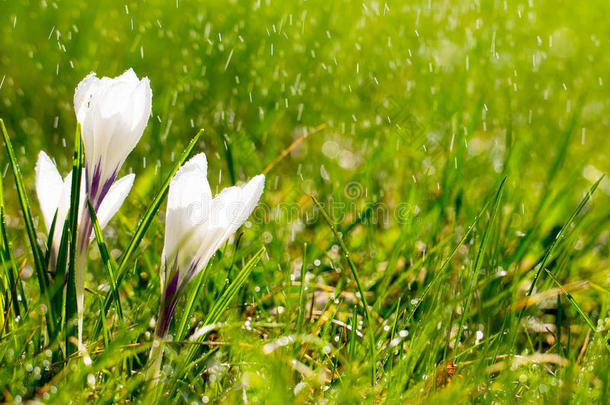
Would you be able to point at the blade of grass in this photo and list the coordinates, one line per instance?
(479, 262)
(9, 265)
(144, 225)
(572, 301)
(440, 273)
(546, 193)
(351, 345)
(190, 304)
(225, 299)
(57, 287)
(8, 261)
(13, 287)
(577, 307)
(71, 302)
(221, 304)
(229, 156)
(352, 266)
(105, 258)
(47, 256)
(41, 271)
(302, 296)
(293, 145)
(551, 250)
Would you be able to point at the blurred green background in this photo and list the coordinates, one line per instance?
(388, 78)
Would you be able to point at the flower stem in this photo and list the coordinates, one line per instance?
(154, 361)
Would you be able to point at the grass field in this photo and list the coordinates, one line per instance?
(455, 147)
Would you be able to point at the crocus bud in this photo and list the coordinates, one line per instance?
(113, 114)
(196, 226)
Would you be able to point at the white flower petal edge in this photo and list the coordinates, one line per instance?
(229, 211)
(49, 187)
(53, 194)
(189, 199)
(114, 199)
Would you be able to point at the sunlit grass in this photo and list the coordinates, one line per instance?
(452, 144)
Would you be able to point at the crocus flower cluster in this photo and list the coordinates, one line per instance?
(113, 114)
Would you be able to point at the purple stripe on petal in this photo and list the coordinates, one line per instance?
(165, 317)
(193, 269)
(168, 304)
(96, 194)
(95, 181)
(172, 287)
(98, 187)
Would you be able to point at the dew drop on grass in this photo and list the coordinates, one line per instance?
(91, 380)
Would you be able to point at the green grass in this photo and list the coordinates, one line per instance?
(453, 145)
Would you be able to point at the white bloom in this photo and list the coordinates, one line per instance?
(54, 197)
(113, 114)
(197, 225)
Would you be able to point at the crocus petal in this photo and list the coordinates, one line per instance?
(238, 203)
(196, 224)
(114, 199)
(188, 205)
(49, 185)
(82, 95)
(229, 210)
(113, 113)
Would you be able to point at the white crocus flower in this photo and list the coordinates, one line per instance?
(113, 113)
(53, 193)
(196, 226)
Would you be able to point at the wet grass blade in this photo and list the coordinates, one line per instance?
(551, 248)
(41, 271)
(71, 303)
(57, 287)
(441, 272)
(108, 262)
(479, 261)
(224, 139)
(577, 307)
(352, 266)
(302, 293)
(144, 224)
(552, 174)
(190, 303)
(227, 296)
(223, 302)
(8, 262)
